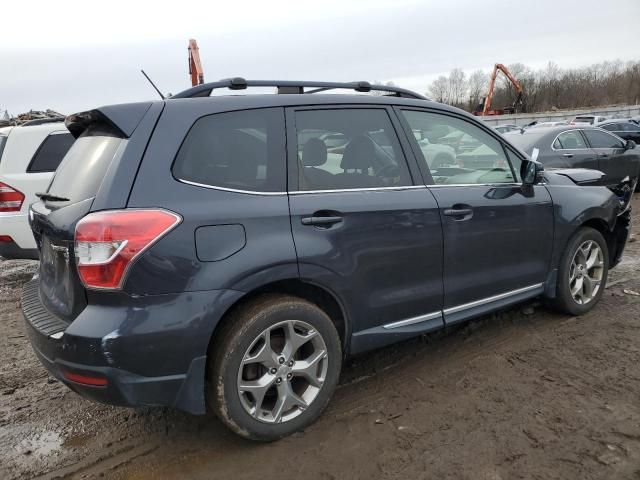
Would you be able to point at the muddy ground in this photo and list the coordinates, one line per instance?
(526, 393)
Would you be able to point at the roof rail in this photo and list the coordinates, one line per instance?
(292, 86)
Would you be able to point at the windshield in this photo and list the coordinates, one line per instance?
(84, 166)
(525, 142)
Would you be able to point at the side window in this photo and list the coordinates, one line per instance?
(50, 153)
(599, 139)
(627, 127)
(348, 148)
(611, 127)
(238, 150)
(570, 140)
(457, 151)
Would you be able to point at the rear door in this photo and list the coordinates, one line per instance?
(612, 158)
(361, 227)
(571, 150)
(498, 234)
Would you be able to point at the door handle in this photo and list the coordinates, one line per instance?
(568, 155)
(458, 212)
(321, 220)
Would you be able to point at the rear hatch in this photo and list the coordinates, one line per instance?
(68, 199)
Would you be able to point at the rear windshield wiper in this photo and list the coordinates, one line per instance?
(51, 197)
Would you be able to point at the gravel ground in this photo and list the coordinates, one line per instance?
(525, 393)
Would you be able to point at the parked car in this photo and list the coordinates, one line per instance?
(507, 128)
(29, 155)
(589, 119)
(545, 124)
(585, 147)
(204, 260)
(624, 128)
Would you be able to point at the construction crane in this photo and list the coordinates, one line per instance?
(485, 107)
(195, 67)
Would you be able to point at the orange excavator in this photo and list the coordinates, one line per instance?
(195, 67)
(485, 107)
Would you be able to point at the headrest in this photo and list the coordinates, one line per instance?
(314, 153)
(358, 154)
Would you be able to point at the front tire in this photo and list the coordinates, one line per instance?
(582, 273)
(273, 367)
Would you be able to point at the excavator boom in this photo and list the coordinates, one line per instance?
(492, 84)
(195, 67)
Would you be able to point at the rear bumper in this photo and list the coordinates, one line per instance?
(11, 251)
(16, 225)
(151, 351)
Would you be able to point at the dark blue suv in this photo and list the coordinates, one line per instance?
(231, 251)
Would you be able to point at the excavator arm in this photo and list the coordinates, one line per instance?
(492, 84)
(195, 67)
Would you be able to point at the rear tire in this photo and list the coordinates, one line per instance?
(582, 273)
(273, 367)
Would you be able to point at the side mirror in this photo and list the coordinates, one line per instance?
(630, 145)
(530, 172)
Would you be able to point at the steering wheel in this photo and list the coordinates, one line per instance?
(388, 171)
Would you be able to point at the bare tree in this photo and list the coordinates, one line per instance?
(439, 89)
(477, 87)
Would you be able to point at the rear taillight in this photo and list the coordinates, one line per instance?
(5, 239)
(10, 199)
(106, 243)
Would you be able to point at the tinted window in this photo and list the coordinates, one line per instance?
(3, 140)
(458, 152)
(84, 166)
(238, 150)
(366, 153)
(570, 140)
(588, 120)
(627, 127)
(612, 127)
(51, 152)
(599, 139)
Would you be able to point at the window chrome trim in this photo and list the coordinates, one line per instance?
(224, 189)
(413, 320)
(509, 184)
(570, 130)
(484, 301)
(372, 189)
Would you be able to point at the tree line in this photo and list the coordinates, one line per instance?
(549, 88)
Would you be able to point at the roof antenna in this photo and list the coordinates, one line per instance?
(153, 84)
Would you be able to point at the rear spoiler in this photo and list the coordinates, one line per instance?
(120, 120)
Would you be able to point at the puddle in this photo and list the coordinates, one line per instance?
(77, 440)
(41, 443)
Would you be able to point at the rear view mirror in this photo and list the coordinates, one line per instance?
(630, 145)
(530, 172)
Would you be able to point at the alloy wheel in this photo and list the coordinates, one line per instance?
(282, 371)
(586, 271)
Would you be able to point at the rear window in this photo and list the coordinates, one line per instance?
(588, 120)
(50, 153)
(84, 166)
(3, 140)
(237, 150)
(526, 141)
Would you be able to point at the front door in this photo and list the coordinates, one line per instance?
(497, 234)
(362, 228)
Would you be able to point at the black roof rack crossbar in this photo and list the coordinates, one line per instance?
(291, 86)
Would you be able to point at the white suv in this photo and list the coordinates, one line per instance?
(29, 155)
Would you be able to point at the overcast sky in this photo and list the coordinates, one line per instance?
(75, 55)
